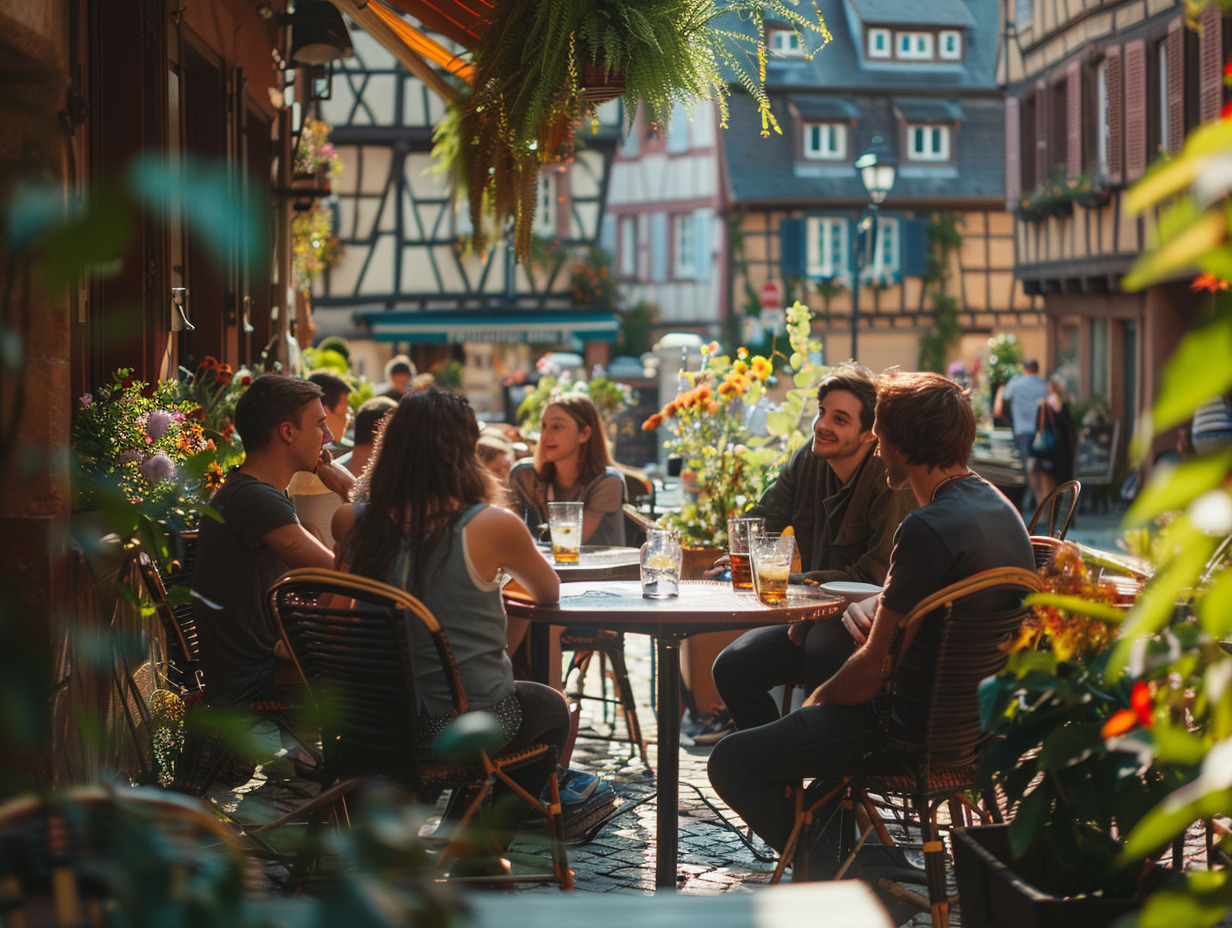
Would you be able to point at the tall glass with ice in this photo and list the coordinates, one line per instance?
(661, 559)
(772, 555)
(565, 524)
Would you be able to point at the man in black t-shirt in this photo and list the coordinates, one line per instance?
(282, 424)
(925, 429)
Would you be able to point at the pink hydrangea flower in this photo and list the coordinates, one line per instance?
(85, 399)
(157, 423)
(157, 468)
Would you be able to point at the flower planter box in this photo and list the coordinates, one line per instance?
(996, 891)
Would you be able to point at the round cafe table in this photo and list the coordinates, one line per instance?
(702, 606)
(598, 562)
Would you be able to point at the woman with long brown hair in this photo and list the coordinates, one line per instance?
(572, 463)
(429, 528)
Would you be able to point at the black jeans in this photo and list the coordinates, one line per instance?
(761, 659)
(751, 769)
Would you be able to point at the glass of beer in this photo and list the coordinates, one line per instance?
(772, 556)
(565, 524)
(741, 530)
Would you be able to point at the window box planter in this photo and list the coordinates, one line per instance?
(996, 891)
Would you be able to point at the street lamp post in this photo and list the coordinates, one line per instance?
(876, 169)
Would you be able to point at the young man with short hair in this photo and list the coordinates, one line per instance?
(284, 428)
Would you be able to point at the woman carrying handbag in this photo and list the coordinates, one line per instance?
(1052, 449)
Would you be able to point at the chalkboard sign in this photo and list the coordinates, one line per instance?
(1096, 455)
(633, 446)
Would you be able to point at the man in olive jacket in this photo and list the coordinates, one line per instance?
(834, 494)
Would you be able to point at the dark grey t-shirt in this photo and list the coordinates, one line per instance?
(968, 528)
(234, 570)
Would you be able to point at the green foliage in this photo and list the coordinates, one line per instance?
(591, 281)
(728, 466)
(636, 325)
(338, 345)
(528, 90)
(943, 239)
(1004, 357)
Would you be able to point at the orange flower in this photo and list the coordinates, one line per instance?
(653, 422)
(727, 387)
(1120, 722)
(742, 352)
(713, 408)
(225, 373)
(213, 476)
(1208, 282)
(740, 367)
(671, 409)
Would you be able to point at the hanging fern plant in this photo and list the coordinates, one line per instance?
(528, 94)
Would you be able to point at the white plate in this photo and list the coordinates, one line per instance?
(850, 588)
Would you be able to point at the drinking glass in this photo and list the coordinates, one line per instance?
(661, 559)
(741, 530)
(565, 524)
(772, 556)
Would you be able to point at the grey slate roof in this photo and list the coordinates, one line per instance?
(837, 85)
(906, 13)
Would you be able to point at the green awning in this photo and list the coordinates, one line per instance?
(458, 327)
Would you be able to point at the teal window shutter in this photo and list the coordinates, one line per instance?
(791, 247)
(701, 243)
(658, 247)
(914, 247)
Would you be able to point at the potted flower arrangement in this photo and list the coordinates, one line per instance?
(536, 66)
(150, 454)
(1096, 734)
(725, 466)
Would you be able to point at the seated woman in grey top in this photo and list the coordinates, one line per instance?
(572, 463)
(428, 528)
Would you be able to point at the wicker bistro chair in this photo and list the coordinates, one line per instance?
(183, 668)
(942, 766)
(1059, 505)
(70, 860)
(348, 637)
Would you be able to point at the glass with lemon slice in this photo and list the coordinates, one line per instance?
(661, 559)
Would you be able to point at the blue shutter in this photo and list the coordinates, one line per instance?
(701, 242)
(658, 247)
(914, 247)
(791, 247)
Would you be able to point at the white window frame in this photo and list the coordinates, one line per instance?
(938, 144)
(825, 141)
(827, 254)
(886, 259)
(684, 247)
(785, 43)
(628, 246)
(545, 204)
(914, 46)
(946, 38)
(887, 43)
(1101, 117)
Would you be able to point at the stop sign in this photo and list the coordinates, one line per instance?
(770, 295)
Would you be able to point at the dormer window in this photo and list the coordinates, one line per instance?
(785, 43)
(915, 45)
(879, 43)
(928, 143)
(825, 141)
(950, 45)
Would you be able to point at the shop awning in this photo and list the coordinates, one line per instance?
(416, 51)
(454, 327)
